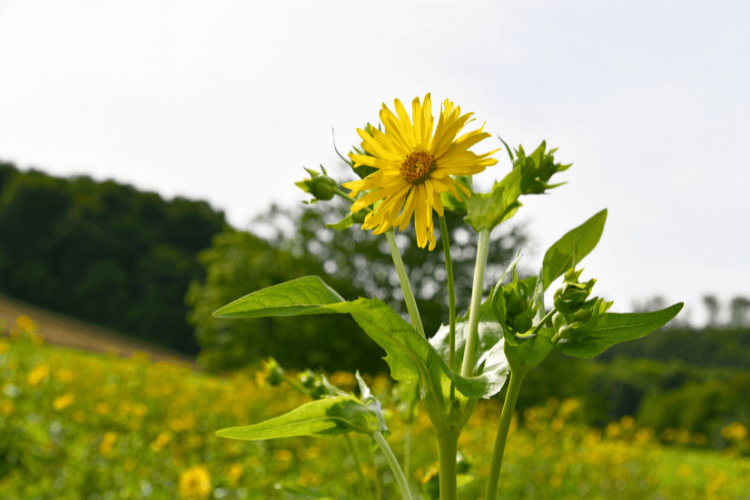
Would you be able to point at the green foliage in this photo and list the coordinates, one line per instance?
(607, 329)
(240, 263)
(572, 247)
(326, 417)
(103, 252)
(530, 175)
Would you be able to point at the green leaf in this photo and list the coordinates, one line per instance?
(327, 417)
(491, 366)
(530, 352)
(450, 202)
(581, 240)
(609, 329)
(487, 210)
(300, 296)
(344, 223)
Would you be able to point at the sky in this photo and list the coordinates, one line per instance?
(227, 101)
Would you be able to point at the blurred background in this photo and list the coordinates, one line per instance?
(147, 158)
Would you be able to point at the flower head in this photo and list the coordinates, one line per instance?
(195, 484)
(414, 166)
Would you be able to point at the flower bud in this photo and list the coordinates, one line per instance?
(514, 306)
(359, 217)
(274, 373)
(572, 295)
(322, 187)
(307, 379)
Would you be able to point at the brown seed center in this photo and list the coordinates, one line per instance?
(417, 167)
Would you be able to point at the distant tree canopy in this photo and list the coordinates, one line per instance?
(103, 252)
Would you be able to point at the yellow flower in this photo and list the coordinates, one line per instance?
(414, 166)
(63, 401)
(105, 447)
(38, 374)
(195, 483)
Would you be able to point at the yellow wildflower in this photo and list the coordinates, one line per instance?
(3, 345)
(161, 441)
(63, 401)
(195, 484)
(7, 407)
(37, 375)
(105, 447)
(415, 166)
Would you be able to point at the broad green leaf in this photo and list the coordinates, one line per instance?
(326, 417)
(530, 352)
(300, 296)
(609, 329)
(581, 240)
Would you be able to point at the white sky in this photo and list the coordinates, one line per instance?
(226, 101)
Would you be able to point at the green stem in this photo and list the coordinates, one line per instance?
(407, 450)
(301, 388)
(544, 320)
(391, 459)
(360, 473)
(447, 449)
(514, 386)
(476, 298)
(451, 291)
(411, 304)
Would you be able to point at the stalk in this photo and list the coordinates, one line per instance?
(391, 458)
(476, 299)
(514, 386)
(447, 449)
(407, 450)
(451, 291)
(403, 278)
(353, 451)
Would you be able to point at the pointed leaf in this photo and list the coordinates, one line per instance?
(326, 417)
(609, 329)
(344, 223)
(300, 296)
(581, 240)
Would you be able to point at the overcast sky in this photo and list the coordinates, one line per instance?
(226, 101)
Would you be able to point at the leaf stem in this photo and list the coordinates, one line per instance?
(391, 458)
(514, 386)
(476, 299)
(451, 290)
(544, 320)
(411, 304)
(353, 452)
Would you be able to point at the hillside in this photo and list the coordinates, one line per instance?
(65, 331)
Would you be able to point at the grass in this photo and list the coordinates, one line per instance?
(95, 427)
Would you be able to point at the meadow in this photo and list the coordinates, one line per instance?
(75, 425)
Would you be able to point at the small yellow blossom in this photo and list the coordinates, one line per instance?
(3, 345)
(37, 375)
(195, 484)
(64, 376)
(161, 441)
(105, 447)
(63, 401)
(7, 407)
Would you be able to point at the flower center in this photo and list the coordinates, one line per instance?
(417, 167)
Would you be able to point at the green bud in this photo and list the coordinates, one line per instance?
(318, 390)
(322, 187)
(514, 305)
(558, 320)
(307, 378)
(572, 295)
(274, 373)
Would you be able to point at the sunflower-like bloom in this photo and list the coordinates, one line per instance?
(415, 166)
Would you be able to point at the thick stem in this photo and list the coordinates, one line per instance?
(447, 449)
(353, 452)
(391, 459)
(514, 386)
(476, 299)
(451, 291)
(403, 278)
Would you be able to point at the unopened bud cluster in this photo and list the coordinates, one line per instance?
(515, 305)
(574, 308)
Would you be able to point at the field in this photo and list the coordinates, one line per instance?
(76, 425)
